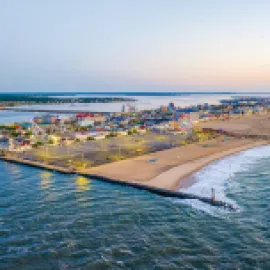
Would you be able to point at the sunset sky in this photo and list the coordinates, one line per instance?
(135, 45)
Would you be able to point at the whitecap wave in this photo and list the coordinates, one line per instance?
(222, 176)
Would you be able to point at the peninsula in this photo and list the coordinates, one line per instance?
(13, 100)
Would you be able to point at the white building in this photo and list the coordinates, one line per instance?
(128, 108)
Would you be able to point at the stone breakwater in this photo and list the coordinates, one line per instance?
(158, 191)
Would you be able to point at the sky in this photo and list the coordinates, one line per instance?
(134, 45)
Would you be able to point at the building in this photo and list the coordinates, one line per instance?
(97, 135)
(87, 118)
(54, 139)
(46, 119)
(194, 117)
(86, 122)
(128, 108)
(164, 109)
(171, 107)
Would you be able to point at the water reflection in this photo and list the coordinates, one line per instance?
(82, 184)
(111, 223)
(46, 180)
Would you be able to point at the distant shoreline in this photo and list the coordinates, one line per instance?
(16, 109)
(12, 100)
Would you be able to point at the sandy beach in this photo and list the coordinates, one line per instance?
(168, 169)
(256, 125)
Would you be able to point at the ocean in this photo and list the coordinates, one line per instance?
(53, 221)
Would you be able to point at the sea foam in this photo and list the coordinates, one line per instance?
(222, 176)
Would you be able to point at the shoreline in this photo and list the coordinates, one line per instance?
(186, 171)
(66, 111)
(154, 190)
(167, 183)
(170, 172)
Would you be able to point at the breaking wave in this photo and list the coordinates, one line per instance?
(222, 176)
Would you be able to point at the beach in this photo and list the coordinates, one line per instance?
(169, 169)
(163, 172)
(252, 125)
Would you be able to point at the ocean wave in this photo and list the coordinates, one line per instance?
(222, 176)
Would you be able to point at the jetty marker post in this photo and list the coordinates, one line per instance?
(213, 197)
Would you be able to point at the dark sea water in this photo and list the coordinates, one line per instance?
(54, 221)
